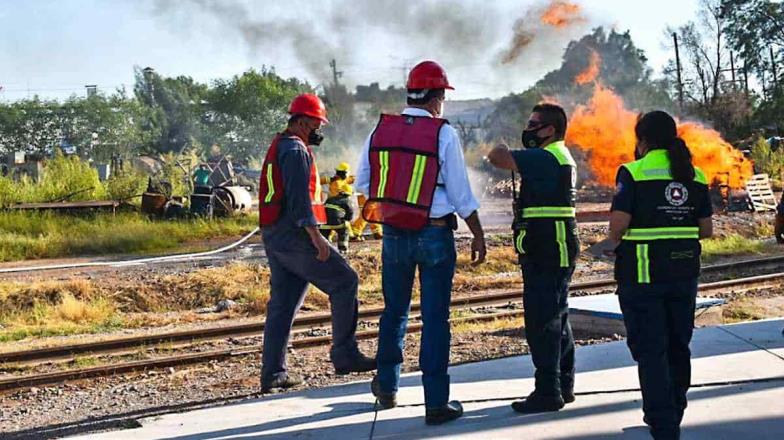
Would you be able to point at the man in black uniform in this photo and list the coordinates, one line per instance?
(545, 239)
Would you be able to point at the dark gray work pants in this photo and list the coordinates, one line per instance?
(291, 270)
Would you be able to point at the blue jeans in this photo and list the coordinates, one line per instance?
(432, 250)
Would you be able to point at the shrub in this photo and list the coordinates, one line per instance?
(766, 160)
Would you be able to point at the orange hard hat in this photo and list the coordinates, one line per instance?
(428, 75)
(309, 104)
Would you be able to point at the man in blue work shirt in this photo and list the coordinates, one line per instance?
(414, 174)
(290, 210)
(545, 238)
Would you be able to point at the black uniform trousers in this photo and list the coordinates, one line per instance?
(547, 329)
(659, 319)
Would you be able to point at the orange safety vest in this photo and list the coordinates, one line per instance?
(272, 190)
(404, 169)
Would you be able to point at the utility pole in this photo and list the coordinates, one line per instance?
(732, 67)
(678, 69)
(773, 68)
(746, 78)
(149, 76)
(335, 74)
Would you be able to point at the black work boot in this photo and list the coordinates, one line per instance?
(536, 403)
(668, 433)
(279, 383)
(446, 413)
(568, 395)
(385, 400)
(359, 364)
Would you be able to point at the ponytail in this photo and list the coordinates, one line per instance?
(658, 130)
(681, 167)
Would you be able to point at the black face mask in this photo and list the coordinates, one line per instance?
(531, 139)
(315, 137)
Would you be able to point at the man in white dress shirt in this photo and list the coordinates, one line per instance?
(413, 171)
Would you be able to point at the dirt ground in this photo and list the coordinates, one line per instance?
(116, 401)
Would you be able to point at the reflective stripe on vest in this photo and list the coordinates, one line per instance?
(549, 212)
(560, 238)
(404, 169)
(643, 264)
(561, 153)
(273, 191)
(519, 241)
(655, 165)
(415, 186)
(674, 233)
(335, 207)
(270, 185)
(383, 158)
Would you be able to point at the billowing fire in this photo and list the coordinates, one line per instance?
(604, 128)
(714, 155)
(561, 14)
(591, 72)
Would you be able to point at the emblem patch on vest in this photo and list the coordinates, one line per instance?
(676, 194)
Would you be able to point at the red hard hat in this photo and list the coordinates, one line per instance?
(309, 104)
(428, 75)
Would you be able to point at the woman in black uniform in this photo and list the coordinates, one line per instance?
(660, 211)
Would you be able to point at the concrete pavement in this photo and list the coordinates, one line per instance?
(607, 406)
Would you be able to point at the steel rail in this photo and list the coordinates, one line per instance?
(195, 358)
(492, 297)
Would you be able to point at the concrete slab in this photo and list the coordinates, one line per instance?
(607, 306)
(768, 334)
(277, 417)
(608, 404)
(746, 412)
(601, 314)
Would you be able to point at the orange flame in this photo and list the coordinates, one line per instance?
(561, 14)
(591, 72)
(604, 128)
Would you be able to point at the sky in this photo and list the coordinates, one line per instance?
(53, 48)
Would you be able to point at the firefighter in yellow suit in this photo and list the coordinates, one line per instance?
(359, 224)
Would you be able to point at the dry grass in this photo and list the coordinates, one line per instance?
(86, 306)
(733, 245)
(54, 308)
(487, 326)
(753, 308)
(741, 310)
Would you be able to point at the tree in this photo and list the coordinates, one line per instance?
(101, 127)
(755, 29)
(247, 110)
(175, 110)
(31, 126)
(620, 66)
(708, 90)
(753, 25)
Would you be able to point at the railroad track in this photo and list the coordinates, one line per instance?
(131, 344)
(118, 345)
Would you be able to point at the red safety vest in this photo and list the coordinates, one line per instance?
(403, 171)
(272, 191)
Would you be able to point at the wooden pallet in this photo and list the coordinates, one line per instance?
(760, 193)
